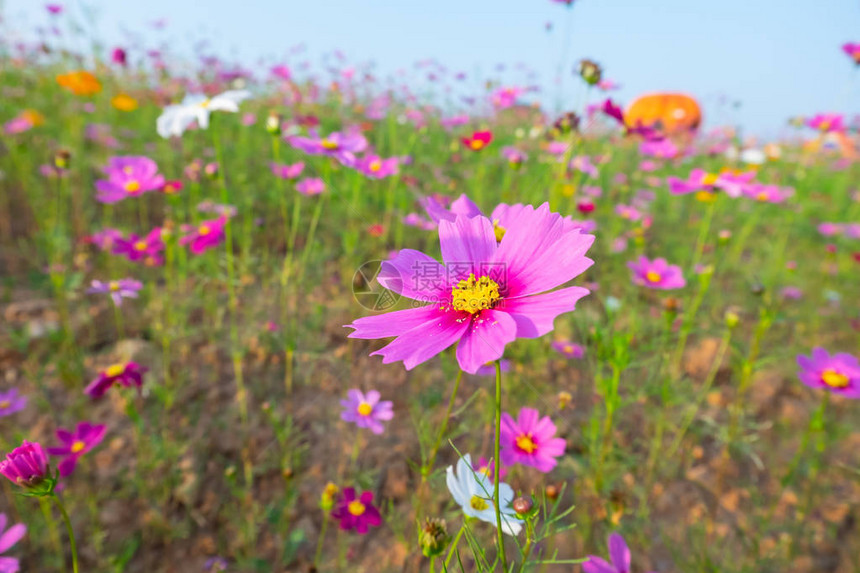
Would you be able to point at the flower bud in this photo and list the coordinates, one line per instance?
(564, 399)
(525, 507)
(590, 71)
(552, 492)
(732, 318)
(62, 159)
(273, 123)
(27, 466)
(434, 537)
(328, 496)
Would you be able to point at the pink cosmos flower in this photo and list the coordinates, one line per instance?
(659, 148)
(839, 373)
(486, 294)
(830, 229)
(530, 441)
(287, 171)
(608, 85)
(583, 164)
(8, 538)
(557, 147)
(54, 8)
(365, 410)
(568, 349)
(628, 212)
(827, 122)
(699, 180)
(768, 193)
(619, 554)
(145, 249)
(657, 274)
(128, 176)
(853, 51)
(118, 290)
(17, 125)
(514, 156)
(489, 369)
(375, 167)
(356, 512)
(75, 444)
(504, 98)
(118, 56)
(454, 121)
(791, 293)
(416, 220)
(478, 140)
(26, 466)
(124, 373)
(206, 235)
(341, 146)
(105, 239)
(282, 72)
(310, 186)
(11, 402)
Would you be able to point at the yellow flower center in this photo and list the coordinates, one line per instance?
(375, 165)
(132, 186)
(365, 409)
(568, 349)
(114, 285)
(824, 125)
(705, 196)
(526, 444)
(484, 470)
(834, 379)
(114, 370)
(474, 295)
(762, 196)
(499, 231)
(205, 103)
(356, 508)
(653, 277)
(709, 179)
(478, 503)
(329, 144)
(140, 246)
(476, 144)
(4, 404)
(78, 447)
(204, 230)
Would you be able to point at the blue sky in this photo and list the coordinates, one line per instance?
(777, 57)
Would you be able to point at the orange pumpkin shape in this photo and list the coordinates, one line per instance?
(670, 113)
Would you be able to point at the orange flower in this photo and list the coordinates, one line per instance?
(80, 83)
(34, 117)
(124, 102)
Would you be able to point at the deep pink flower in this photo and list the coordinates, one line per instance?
(416, 220)
(128, 176)
(478, 140)
(839, 373)
(75, 444)
(145, 249)
(26, 466)
(8, 538)
(486, 294)
(281, 71)
(619, 554)
(119, 56)
(656, 274)
(530, 440)
(733, 184)
(375, 167)
(206, 235)
(356, 513)
(124, 373)
(365, 410)
(827, 122)
(54, 8)
(287, 171)
(853, 51)
(504, 98)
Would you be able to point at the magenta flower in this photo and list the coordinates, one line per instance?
(839, 373)
(568, 349)
(375, 167)
(454, 121)
(119, 56)
(656, 274)
(125, 374)
(504, 98)
(105, 239)
(145, 249)
(206, 235)
(619, 554)
(281, 71)
(75, 444)
(26, 466)
(628, 212)
(356, 513)
(660, 148)
(486, 294)
(365, 410)
(530, 441)
(8, 538)
(514, 156)
(768, 193)
(827, 122)
(310, 186)
(416, 220)
(287, 171)
(853, 51)
(118, 290)
(54, 8)
(17, 125)
(11, 401)
(488, 468)
(128, 176)
(341, 146)
(699, 180)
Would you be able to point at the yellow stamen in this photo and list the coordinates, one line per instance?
(329, 144)
(499, 231)
(204, 230)
(356, 508)
(476, 144)
(653, 277)
(478, 503)
(526, 444)
(132, 186)
(114, 370)
(834, 379)
(365, 409)
(78, 447)
(484, 470)
(762, 196)
(474, 295)
(709, 179)
(205, 103)
(375, 165)
(568, 349)
(140, 246)
(114, 286)
(5, 404)
(706, 196)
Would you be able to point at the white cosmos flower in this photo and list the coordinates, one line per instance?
(473, 491)
(176, 118)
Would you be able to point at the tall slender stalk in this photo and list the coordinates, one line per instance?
(497, 466)
(70, 531)
(431, 459)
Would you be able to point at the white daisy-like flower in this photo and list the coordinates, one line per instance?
(473, 491)
(176, 118)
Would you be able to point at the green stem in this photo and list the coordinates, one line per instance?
(453, 549)
(70, 531)
(432, 458)
(497, 466)
(318, 552)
